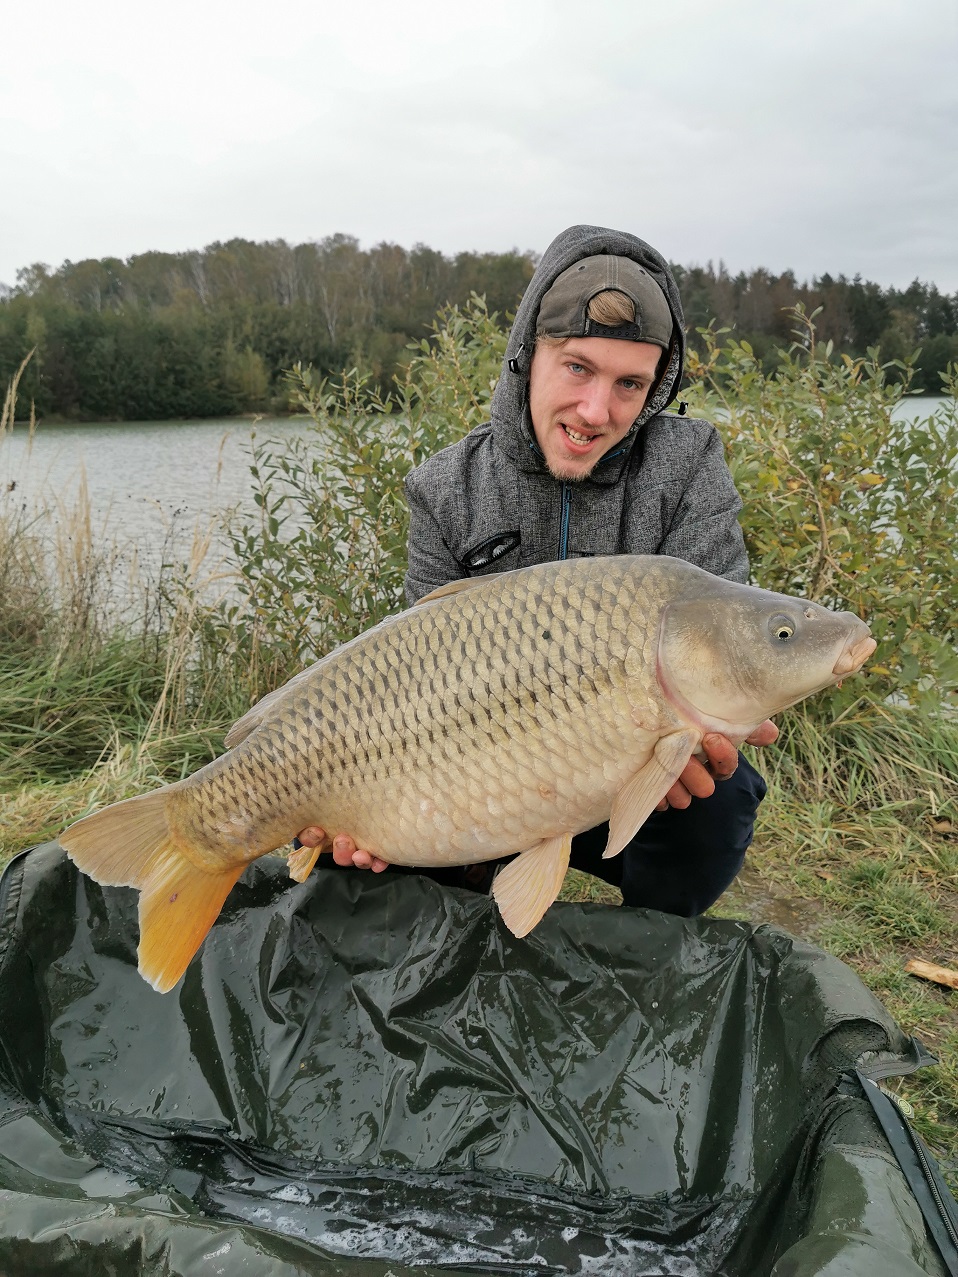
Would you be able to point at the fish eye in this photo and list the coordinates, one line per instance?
(781, 628)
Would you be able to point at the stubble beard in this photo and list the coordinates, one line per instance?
(568, 471)
(579, 477)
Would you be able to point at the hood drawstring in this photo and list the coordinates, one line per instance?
(514, 362)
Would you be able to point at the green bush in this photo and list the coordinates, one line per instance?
(845, 503)
(327, 556)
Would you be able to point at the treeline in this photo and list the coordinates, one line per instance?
(856, 315)
(212, 332)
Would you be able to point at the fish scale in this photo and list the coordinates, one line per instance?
(538, 697)
(502, 715)
(462, 711)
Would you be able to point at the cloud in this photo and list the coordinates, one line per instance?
(817, 138)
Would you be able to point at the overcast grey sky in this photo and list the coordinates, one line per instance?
(819, 136)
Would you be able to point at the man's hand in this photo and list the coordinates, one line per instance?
(345, 851)
(698, 779)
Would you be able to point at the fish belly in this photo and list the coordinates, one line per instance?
(465, 810)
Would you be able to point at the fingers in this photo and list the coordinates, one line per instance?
(696, 780)
(677, 796)
(343, 850)
(347, 854)
(314, 836)
(722, 758)
(764, 734)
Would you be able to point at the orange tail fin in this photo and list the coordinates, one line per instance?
(130, 845)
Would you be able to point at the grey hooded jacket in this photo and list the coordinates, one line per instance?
(488, 503)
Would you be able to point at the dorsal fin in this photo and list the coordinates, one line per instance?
(456, 587)
(253, 717)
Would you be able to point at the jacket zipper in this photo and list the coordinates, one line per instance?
(567, 501)
(564, 525)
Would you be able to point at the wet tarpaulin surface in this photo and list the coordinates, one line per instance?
(367, 1074)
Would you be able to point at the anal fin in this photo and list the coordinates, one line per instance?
(640, 795)
(526, 888)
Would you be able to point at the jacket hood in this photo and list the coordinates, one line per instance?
(508, 409)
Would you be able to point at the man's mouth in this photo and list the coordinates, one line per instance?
(579, 439)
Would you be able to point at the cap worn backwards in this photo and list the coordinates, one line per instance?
(563, 311)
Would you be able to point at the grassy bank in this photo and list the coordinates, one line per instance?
(857, 847)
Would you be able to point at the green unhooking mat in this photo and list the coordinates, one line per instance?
(368, 1075)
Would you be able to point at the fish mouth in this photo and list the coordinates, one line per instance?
(854, 656)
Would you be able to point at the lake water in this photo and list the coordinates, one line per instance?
(151, 484)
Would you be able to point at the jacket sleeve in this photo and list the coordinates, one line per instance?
(430, 561)
(704, 528)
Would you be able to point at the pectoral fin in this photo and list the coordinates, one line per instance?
(640, 796)
(526, 888)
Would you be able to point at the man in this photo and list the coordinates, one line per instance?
(580, 458)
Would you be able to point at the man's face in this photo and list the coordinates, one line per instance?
(584, 396)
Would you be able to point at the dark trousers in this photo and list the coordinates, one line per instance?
(680, 861)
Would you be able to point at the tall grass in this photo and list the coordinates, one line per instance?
(83, 681)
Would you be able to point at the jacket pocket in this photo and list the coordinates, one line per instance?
(488, 553)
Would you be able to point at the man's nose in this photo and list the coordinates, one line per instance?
(594, 405)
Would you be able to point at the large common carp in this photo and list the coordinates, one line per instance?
(501, 714)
